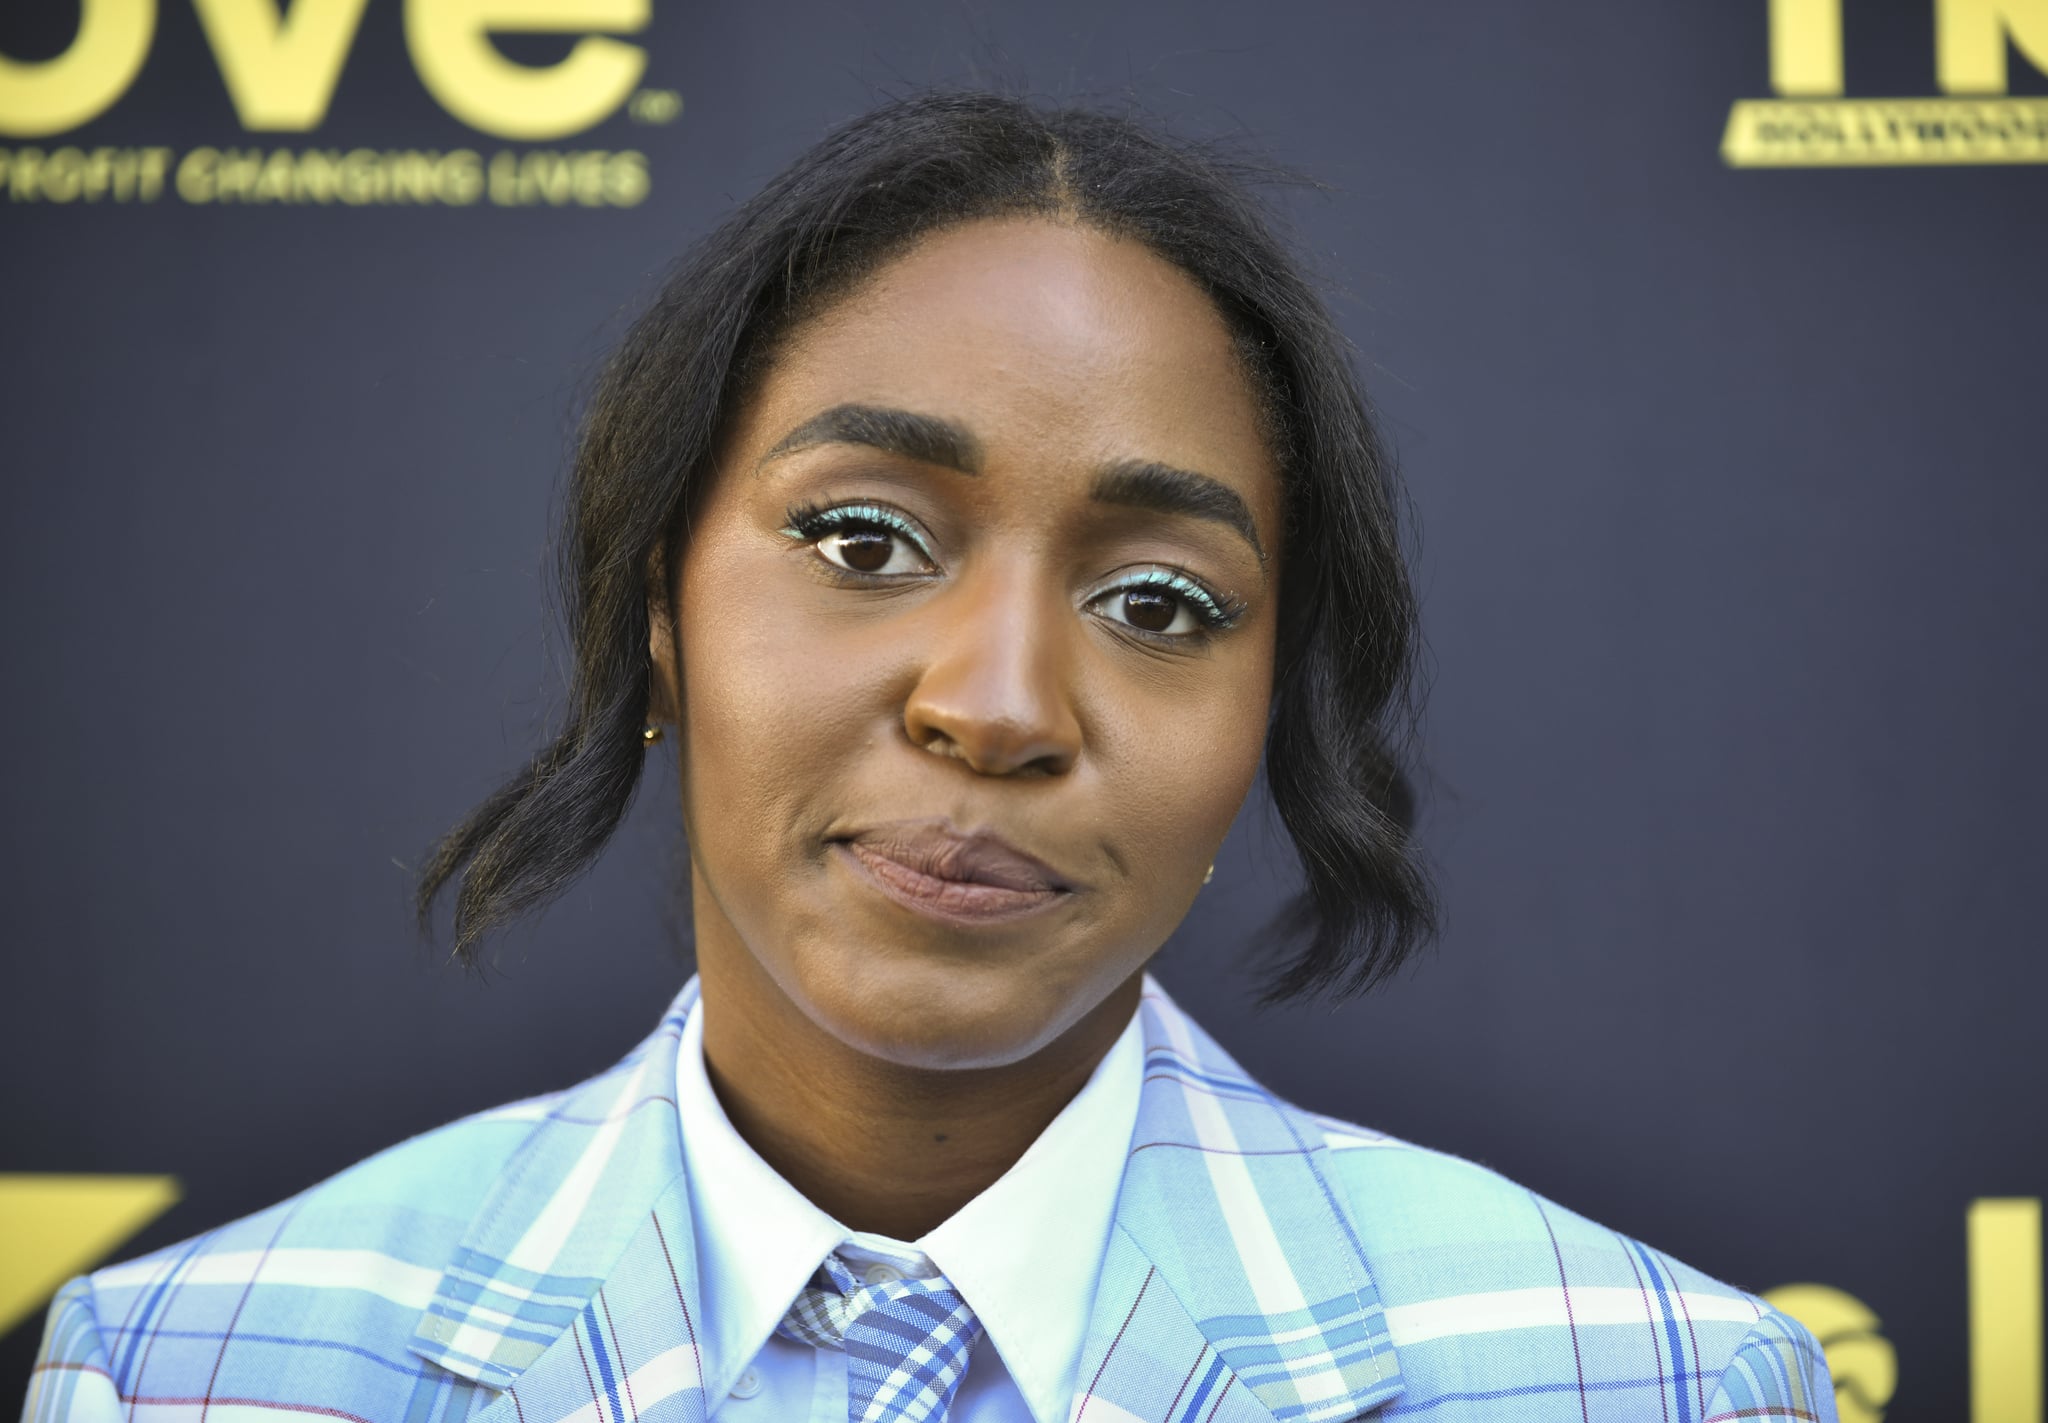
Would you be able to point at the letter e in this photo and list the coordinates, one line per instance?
(451, 48)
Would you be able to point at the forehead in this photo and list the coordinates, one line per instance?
(1042, 336)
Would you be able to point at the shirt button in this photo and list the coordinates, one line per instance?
(747, 1384)
(882, 1275)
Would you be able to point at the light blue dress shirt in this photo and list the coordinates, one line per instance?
(1024, 1254)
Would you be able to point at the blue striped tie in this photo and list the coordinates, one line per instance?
(906, 1340)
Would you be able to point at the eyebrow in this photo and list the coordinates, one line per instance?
(932, 439)
(1147, 484)
(926, 438)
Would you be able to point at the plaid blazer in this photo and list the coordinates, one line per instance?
(536, 1264)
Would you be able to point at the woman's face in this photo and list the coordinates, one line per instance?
(976, 636)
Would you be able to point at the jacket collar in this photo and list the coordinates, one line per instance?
(1234, 1286)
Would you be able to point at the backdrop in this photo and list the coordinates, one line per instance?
(1710, 336)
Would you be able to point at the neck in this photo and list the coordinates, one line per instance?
(838, 1124)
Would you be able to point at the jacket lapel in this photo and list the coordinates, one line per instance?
(1234, 1280)
(1233, 1289)
(575, 1290)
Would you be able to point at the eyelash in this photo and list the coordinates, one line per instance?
(812, 523)
(1216, 613)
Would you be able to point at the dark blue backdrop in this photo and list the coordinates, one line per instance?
(1732, 510)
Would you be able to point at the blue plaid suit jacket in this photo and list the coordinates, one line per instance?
(536, 1264)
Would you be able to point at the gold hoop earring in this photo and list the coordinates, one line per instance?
(649, 735)
(1209, 873)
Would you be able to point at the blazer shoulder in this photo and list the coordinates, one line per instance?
(347, 1265)
(1468, 1262)
(403, 1202)
(1415, 1200)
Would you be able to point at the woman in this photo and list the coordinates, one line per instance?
(973, 510)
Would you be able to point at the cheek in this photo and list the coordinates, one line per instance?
(1184, 766)
(758, 718)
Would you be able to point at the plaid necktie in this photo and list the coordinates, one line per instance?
(906, 1339)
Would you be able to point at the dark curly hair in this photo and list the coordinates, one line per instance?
(1347, 638)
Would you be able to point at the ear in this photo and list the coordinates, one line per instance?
(664, 696)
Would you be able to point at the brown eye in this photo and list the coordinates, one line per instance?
(1150, 610)
(865, 550)
(858, 542)
(1166, 603)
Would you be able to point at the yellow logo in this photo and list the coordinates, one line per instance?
(1861, 1360)
(2003, 1235)
(280, 66)
(1975, 121)
(281, 72)
(53, 1227)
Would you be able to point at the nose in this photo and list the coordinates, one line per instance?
(995, 689)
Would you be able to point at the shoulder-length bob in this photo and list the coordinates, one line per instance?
(644, 459)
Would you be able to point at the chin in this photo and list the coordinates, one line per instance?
(938, 1016)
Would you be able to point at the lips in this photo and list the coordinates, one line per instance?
(928, 867)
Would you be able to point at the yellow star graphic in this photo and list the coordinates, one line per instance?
(53, 1227)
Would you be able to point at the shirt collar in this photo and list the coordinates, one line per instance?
(575, 1289)
(1024, 1253)
(759, 1239)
